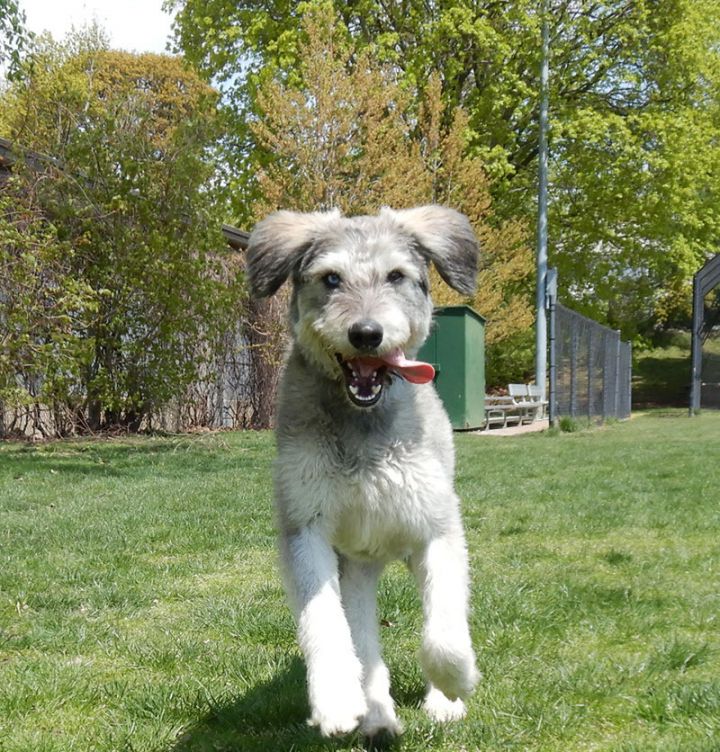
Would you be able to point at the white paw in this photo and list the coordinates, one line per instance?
(441, 709)
(380, 718)
(450, 666)
(339, 710)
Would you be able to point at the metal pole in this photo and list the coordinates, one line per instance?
(628, 380)
(551, 294)
(618, 376)
(541, 313)
(605, 378)
(698, 310)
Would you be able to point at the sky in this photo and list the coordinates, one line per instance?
(133, 25)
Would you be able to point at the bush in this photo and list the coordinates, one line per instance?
(511, 360)
(128, 188)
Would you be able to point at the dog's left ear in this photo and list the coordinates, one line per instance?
(278, 243)
(446, 238)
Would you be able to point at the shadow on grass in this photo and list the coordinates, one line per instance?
(269, 717)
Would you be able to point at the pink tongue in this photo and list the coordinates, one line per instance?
(414, 371)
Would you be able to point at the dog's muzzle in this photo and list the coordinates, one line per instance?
(367, 376)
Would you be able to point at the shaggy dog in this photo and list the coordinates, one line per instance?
(365, 461)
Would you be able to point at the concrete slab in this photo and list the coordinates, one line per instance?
(534, 427)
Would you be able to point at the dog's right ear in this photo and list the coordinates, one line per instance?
(278, 243)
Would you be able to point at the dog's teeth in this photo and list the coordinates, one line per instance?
(354, 389)
(376, 389)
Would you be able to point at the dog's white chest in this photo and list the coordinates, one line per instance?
(387, 505)
(378, 502)
(379, 484)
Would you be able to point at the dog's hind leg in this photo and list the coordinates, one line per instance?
(447, 657)
(358, 584)
(334, 673)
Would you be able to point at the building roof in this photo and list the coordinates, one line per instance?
(237, 239)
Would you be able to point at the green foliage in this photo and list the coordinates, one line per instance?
(635, 169)
(14, 37)
(510, 360)
(129, 190)
(45, 311)
(571, 425)
(339, 132)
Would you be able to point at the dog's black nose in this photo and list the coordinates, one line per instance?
(365, 335)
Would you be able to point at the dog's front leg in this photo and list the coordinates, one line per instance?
(334, 672)
(358, 584)
(441, 569)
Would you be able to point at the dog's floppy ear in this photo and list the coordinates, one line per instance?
(277, 244)
(445, 237)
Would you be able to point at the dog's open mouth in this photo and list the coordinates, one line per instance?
(366, 377)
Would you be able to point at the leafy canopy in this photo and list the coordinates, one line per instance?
(341, 132)
(14, 37)
(634, 119)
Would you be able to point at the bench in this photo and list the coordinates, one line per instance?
(523, 404)
(529, 398)
(501, 411)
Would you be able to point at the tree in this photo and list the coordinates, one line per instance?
(331, 136)
(339, 134)
(635, 195)
(459, 179)
(633, 121)
(129, 189)
(335, 134)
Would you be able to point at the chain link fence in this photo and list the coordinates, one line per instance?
(590, 368)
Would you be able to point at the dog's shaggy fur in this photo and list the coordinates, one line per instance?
(365, 453)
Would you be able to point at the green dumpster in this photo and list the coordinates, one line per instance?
(456, 347)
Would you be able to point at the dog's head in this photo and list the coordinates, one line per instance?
(361, 302)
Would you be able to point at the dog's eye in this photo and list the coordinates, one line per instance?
(332, 280)
(395, 276)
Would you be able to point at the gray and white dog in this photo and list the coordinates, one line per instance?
(365, 464)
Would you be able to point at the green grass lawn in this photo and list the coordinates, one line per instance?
(141, 609)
